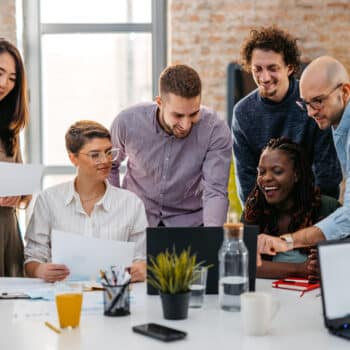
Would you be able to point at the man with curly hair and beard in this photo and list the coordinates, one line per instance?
(270, 111)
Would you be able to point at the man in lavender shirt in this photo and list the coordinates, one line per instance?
(178, 153)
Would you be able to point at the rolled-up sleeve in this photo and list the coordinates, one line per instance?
(38, 234)
(216, 169)
(337, 225)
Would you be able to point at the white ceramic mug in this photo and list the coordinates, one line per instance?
(257, 310)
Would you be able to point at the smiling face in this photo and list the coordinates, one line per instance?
(177, 114)
(270, 74)
(85, 161)
(7, 74)
(276, 177)
(331, 98)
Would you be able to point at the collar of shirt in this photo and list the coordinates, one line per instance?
(153, 113)
(344, 125)
(105, 202)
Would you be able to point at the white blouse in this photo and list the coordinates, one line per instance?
(119, 215)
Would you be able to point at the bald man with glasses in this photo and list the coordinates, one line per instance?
(325, 95)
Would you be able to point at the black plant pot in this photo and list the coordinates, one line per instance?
(175, 306)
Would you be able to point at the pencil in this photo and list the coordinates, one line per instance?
(52, 327)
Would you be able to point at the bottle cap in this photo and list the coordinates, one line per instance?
(233, 229)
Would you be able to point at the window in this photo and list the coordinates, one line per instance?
(87, 59)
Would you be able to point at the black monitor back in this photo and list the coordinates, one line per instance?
(205, 242)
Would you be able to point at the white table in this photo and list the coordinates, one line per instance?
(297, 325)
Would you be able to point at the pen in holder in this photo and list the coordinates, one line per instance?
(116, 299)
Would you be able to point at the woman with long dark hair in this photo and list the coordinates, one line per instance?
(13, 118)
(285, 199)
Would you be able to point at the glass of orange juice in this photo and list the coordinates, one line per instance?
(69, 298)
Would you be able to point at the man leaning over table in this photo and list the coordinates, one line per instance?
(178, 152)
(325, 94)
(272, 56)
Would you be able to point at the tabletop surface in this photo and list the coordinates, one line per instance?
(297, 325)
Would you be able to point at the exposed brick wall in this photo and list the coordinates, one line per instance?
(8, 20)
(208, 34)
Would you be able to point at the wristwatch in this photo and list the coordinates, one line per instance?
(288, 238)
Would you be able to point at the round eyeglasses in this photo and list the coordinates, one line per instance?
(99, 156)
(316, 103)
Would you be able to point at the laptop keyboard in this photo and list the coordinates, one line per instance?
(345, 333)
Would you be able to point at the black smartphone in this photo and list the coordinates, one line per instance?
(160, 332)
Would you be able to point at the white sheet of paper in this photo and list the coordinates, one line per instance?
(18, 179)
(20, 284)
(85, 256)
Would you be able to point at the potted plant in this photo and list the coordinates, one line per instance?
(172, 275)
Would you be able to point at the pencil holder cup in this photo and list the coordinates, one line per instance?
(116, 300)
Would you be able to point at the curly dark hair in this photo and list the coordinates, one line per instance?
(275, 39)
(306, 198)
(181, 80)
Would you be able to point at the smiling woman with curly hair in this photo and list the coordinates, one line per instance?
(285, 199)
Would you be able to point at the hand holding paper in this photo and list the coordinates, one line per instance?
(85, 256)
(52, 272)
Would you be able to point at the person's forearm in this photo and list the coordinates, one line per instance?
(307, 237)
(270, 269)
(30, 268)
(215, 211)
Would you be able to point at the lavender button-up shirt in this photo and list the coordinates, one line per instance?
(182, 182)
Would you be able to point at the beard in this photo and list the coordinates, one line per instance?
(171, 130)
(267, 93)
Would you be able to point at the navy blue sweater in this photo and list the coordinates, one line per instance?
(256, 120)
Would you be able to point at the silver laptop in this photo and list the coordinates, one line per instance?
(334, 259)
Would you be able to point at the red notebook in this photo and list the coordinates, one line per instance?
(300, 284)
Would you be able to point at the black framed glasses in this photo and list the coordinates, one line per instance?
(100, 156)
(317, 102)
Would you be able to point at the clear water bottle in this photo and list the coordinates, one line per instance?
(233, 267)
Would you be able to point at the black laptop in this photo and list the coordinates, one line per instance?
(334, 259)
(205, 242)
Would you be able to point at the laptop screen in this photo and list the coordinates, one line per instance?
(334, 260)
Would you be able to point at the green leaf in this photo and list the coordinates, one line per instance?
(172, 273)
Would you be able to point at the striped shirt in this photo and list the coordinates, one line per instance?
(118, 215)
(182, 182)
